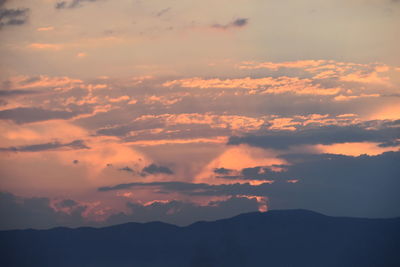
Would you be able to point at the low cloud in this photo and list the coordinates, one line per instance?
(184, 213)
(363, 186)
(21, 213)
(39, 213)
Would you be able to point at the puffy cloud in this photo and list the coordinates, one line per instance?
(267, 85)
(184, 126)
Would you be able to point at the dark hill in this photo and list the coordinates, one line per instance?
(275, 238)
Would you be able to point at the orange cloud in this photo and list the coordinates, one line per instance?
(81, 55)
(269, 85)
(238, 158)
(351, 97)
(355, 149)
(119, 99)
(387, 112)
(362, 77)
(251, 65)
(45, 29)
(215, 140)
(44, 46)
(27, 82)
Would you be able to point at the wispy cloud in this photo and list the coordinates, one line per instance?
(71, 3)
(12, 16)
(236, 23)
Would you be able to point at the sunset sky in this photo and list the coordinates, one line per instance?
(179, 111)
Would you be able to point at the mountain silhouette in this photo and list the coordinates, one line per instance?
(275, 238)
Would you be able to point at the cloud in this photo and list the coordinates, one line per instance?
(266, 85)
(41, 213)
(21, 213)
(182, 126)
(67, 203)
(363, 186)
(6, 93)
(71, 3)
(45, 29)
(126, 169)
(322, 135)
(197, 189)
(31, 114)
(329, 69)
(12, 16)
(154, 169)
(43, 81)
(391, 143)
(77, 144)
(237, 23)
(163, 11)
(222, 171)
(184, 213)
(45, 46)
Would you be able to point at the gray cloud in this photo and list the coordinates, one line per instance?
(67, 203)
(184, 213)
(20, 213)
(222, 171)
(126, 169)
(5, 93)
(322, 135)
(193, 189)
(122, 130)
(71, 3)
(364, 186)
(12, 16)
(237, 23)
(391, 143)
(77, 144)
(163, 11)
(155, 169)
(26, 115)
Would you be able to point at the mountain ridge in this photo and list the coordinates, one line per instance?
(274, 238)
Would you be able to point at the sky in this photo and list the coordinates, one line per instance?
(180, 111)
